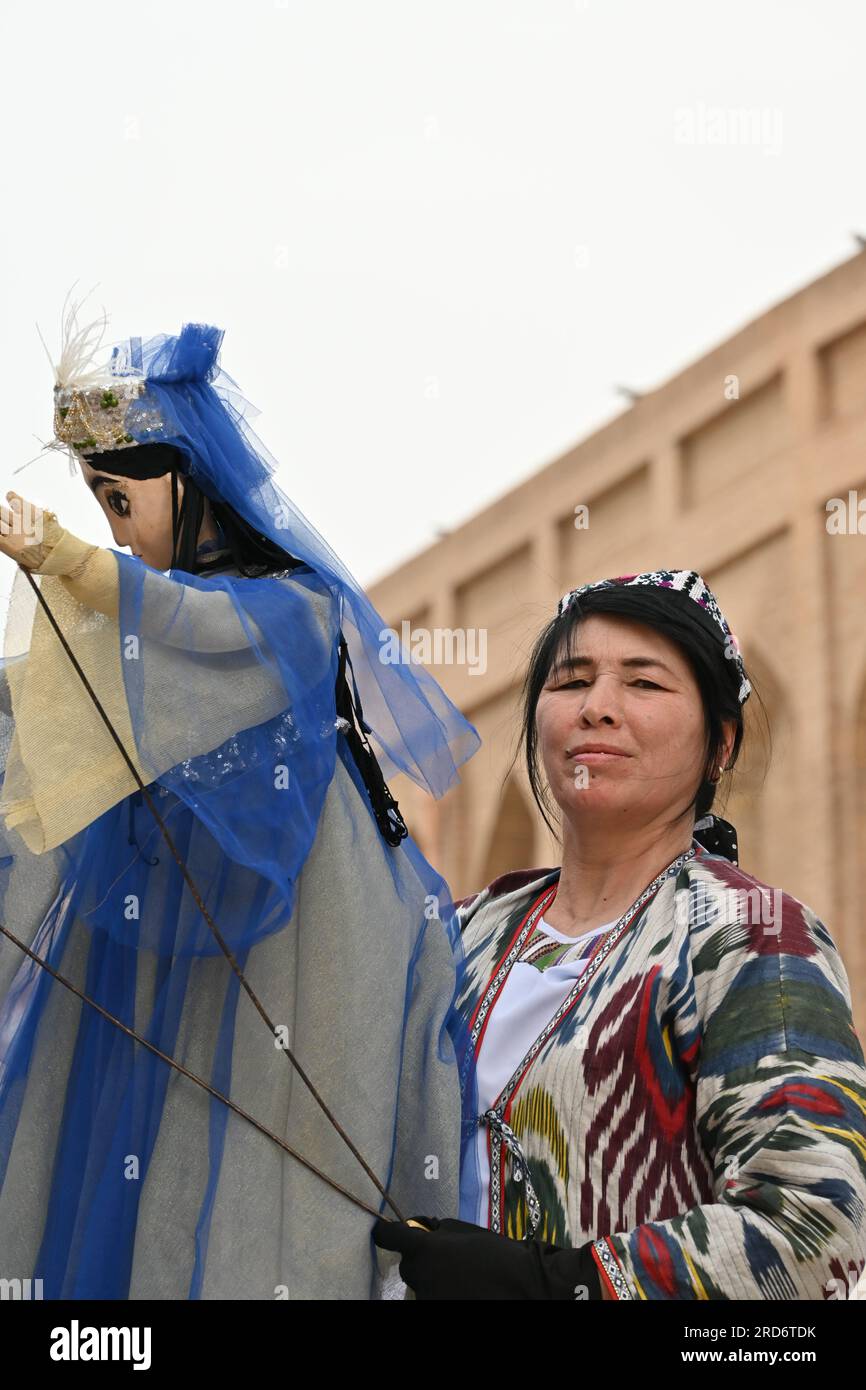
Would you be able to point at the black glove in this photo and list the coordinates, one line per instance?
(457, 1260)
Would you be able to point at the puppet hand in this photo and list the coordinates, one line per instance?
(454, 1259)
(36, 540)
(26, 528)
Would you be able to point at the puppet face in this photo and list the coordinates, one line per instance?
(651, 712)
(138, 511)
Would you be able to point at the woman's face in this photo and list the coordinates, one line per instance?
(632, 690)
(138, 511)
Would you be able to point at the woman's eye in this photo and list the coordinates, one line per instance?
(641, 681)
(118, 502)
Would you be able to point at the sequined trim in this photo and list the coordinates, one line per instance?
(613, 1270)
(519, 1166)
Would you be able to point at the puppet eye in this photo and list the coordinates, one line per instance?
(118, 501)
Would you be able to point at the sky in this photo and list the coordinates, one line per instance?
(437, 235)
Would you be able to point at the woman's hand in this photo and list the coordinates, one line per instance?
(22, 525)
(456, 1260)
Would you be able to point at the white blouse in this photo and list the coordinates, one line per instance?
(528, 1001)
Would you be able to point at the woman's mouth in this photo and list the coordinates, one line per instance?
(595, 752)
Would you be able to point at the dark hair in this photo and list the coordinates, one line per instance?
(252, 553)
(668, 612)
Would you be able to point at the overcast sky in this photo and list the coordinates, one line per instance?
(436, 234)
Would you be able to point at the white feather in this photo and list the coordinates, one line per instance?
(79, 366)
(80, 362)
(53, 446)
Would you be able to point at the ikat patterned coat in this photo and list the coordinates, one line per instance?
(697, 1109)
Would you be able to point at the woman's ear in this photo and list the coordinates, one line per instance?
(729, 729)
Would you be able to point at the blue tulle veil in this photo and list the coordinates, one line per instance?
(118, 1178)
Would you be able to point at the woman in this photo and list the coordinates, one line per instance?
(200, 841)
(671, 1091)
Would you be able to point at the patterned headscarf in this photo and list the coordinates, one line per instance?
(716, 835)
(690, 584)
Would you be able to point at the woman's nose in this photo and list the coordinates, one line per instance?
(603, 699)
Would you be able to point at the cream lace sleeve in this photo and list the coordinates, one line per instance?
(63, 768)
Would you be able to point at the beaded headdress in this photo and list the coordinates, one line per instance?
(98, 406)
(92, 402)
(690, 585)
(94, 418)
